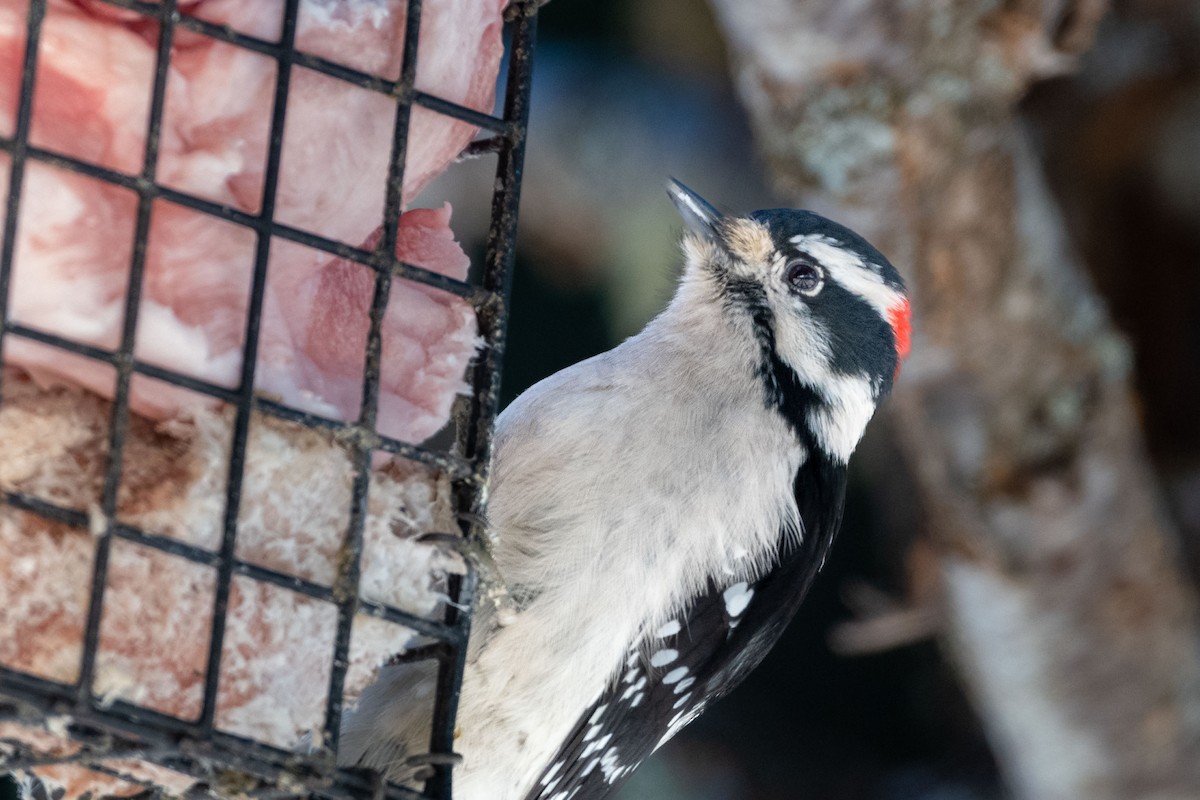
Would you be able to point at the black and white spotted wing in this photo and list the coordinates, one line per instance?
(676, 671)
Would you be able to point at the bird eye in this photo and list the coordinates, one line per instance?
(805, 277)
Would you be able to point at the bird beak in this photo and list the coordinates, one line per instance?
(699, 216)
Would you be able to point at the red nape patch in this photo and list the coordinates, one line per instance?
(900, 316)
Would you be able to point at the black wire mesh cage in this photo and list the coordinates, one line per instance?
(84, 717)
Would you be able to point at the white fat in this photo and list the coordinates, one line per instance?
(347, 14)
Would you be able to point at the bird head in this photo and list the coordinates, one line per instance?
(829, 314)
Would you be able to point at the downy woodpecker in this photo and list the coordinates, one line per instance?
(658, 512)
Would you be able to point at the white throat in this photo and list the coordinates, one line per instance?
(838, 425)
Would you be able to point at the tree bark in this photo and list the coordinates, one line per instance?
(1065, 607)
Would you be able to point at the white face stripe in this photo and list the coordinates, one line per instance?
(853, 273)
(803, 343)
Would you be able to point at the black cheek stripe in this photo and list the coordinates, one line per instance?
(783, 390)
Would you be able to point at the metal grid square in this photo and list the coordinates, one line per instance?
(121, 729)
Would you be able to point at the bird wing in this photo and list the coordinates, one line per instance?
(674, 672)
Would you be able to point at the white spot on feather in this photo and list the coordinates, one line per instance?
(609, 765)
(552, 772)
(663, 657)
(675, 675)
(669, 629)
(737, 597)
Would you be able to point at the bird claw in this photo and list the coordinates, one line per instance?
(449, 541)
(434, 760)
(425, 652)
(468, 549)
(423, 763)
(478, 555)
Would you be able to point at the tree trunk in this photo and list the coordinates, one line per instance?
(1065, 608)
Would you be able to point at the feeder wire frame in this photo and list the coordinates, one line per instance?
(120, 730)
